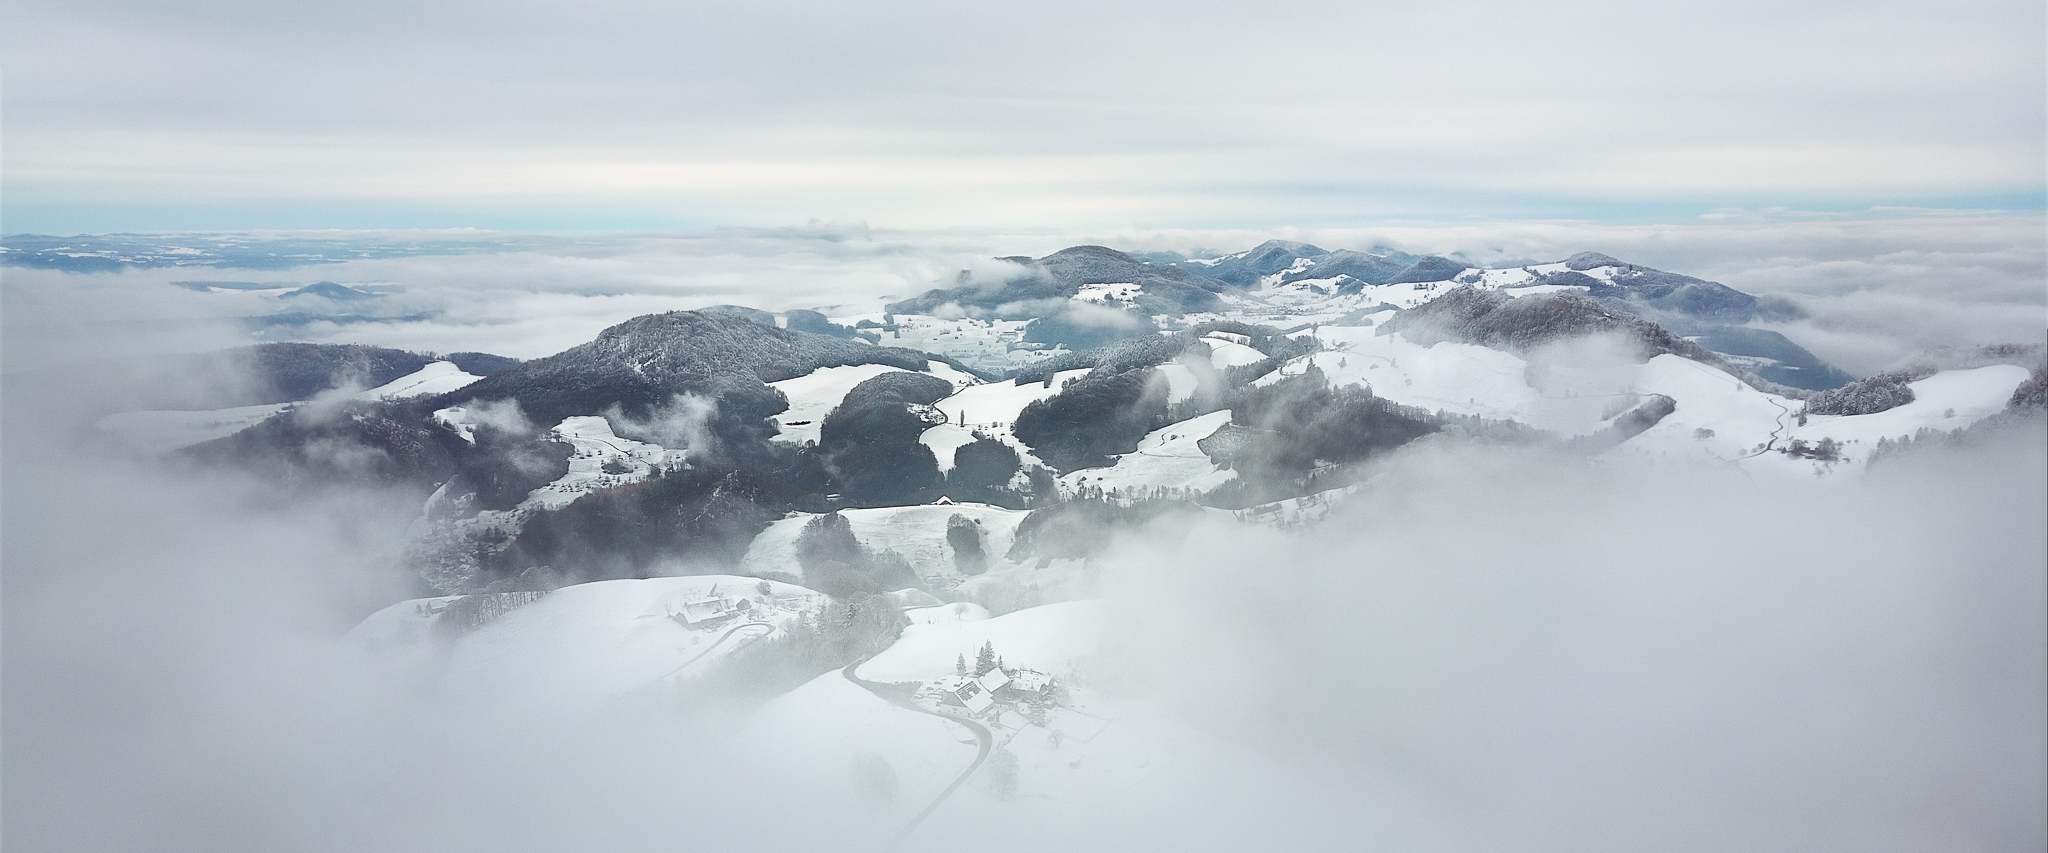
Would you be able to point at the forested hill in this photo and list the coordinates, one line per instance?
(644, 362)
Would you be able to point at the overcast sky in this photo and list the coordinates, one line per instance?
(218, 114)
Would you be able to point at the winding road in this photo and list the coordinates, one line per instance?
(982, 734)
(1776, 433)
(719, 642)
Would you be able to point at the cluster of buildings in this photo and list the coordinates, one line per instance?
(711, 611)
(987, 694)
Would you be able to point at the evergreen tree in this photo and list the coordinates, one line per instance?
(960, 664)
(985, 660)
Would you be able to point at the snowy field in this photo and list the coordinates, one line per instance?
(600, 460)
(580, 646)
(439, 377)
(1166, 458)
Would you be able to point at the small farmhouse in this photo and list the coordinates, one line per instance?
(1030, 684)
(972, 696)
(960, 695)
(710, 611)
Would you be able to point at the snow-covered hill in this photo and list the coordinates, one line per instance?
(1265, 391)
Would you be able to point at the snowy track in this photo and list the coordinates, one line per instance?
(985, 737)
(721, 641)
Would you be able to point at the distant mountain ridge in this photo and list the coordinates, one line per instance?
(1060, 276)
(685, 435)
(1086, 297)
(1230, 414)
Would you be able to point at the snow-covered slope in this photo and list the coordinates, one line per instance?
(439, 377)
(814, 396)
(1948, 400)
(990, 408)
(601, 460)
(997, 404)
(581, 645)
(1097, 771)
(1168, 458)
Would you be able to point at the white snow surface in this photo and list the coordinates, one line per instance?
(457, 419)
(1719, 419)
(1951, 399)
(997, 404)
(814, 395)
(943, 440)
(580, 645)
(1051, 638)
(1948, 400)
(439, 377)
(989, 345)
(992, 409)
(1102, 773)
(815, 732)
(595, 447)
(1122, 293)
(1181, 382)
(1227, 353)
(1167, 458)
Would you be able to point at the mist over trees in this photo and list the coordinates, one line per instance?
(1093, 418)
(964, 536)
(1289, 438)
(338, 445)
(504, 467)
(1045, 282)
(1089, 327)
(641, 364)
(1084, 527)
(1630, 642)
(837, 564)
(683, 521)
(1521, 324)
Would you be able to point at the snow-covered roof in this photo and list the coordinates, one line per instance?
(1030, 679)
(971, 694)
(993, 680)
(701, 609)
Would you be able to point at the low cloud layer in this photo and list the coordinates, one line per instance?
(1877, 290)
(1485, 649)
(1529, 653)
